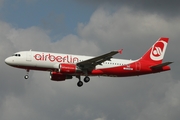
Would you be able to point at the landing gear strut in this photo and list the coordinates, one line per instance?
(79, 83)
(26, 76)
(86, 78)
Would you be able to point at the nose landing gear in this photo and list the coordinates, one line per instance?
(26, 76)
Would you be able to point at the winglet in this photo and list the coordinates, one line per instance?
(120, 51)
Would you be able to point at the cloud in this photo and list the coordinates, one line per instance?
(30, 38)
(167, 109)
(132, 98)
(100, 118)
(167, 8)
(124, 25)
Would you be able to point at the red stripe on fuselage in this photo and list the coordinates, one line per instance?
(119, 71)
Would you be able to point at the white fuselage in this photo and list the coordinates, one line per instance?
(49, 61)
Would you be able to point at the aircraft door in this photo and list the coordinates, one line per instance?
(138, 66)
(28, 56)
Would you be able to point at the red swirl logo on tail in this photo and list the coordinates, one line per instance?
(158, 50)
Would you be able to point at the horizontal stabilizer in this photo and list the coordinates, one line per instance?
(159, 66)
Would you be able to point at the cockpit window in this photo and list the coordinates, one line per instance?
(18, 55)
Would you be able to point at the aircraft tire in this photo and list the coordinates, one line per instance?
(26, 76)
(86, 79)
(80, 84)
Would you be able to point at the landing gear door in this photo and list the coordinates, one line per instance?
(138, 66)
(28, 56)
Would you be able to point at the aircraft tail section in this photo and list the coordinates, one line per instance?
(156, 53)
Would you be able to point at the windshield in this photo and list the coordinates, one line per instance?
(18, 55)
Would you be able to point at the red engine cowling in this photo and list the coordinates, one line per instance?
(67, 68)
(56, 76)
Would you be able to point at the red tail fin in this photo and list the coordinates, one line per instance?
(156, 53)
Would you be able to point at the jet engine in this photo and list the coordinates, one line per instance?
(56, 76)
(67, 68)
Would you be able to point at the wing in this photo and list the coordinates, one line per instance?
(90, 64)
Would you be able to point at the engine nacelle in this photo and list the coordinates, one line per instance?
(56, 76)
(68, 68)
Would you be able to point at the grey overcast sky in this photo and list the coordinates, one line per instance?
(89, 28)
(164, 7)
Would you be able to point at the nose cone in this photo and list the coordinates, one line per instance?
(8, 61)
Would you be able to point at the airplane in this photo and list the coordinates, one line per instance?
(67, 66)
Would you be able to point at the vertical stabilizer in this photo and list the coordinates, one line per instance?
(156, 53)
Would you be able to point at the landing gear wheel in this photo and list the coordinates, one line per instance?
(86, 79)
(26, 76)
(80, 83)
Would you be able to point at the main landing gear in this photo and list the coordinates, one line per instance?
(80, 83)
(26, 76)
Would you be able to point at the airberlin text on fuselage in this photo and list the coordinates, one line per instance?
(55, 58)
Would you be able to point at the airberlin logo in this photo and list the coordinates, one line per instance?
(54, 58)
(158, 50)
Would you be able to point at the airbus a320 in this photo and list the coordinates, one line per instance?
(67, 66)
